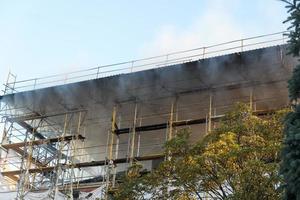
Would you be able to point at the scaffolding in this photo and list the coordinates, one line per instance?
(51, 163)
(53, 149)
(43, 160)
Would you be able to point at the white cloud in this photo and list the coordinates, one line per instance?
(218, 23)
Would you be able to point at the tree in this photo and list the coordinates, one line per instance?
(241, 157)
(238, 160)
(291, 146)
(133, 187)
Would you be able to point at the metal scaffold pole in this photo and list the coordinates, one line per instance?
(210, 112)
(139, 140)
(110, 165)
(133, 135)
(170, 127)
(170, 134)
(58, 168)
(73, 155)
(251, 100)
(21, 182)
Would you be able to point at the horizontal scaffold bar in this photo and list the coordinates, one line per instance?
(182, 123)
(82, 165)
(44, 141)
(33, 116)
(125, 160)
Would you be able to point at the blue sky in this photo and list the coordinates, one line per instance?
(39, 38)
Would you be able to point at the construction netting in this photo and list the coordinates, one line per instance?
(8, 192)
(8, 189)
(12, 195)
(93, 195)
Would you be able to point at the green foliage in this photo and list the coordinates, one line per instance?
(294, 84)
(293, 9)
(238, 160)
(242, 159)
(291, 146)
(178, 145)
(291, 155)
(133, 187)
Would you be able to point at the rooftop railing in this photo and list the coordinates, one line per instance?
(168, 59)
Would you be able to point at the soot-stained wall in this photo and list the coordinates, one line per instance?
(260, 74)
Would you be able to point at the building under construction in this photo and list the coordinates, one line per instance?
(74, 135)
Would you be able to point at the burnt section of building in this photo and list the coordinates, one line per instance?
(108, 123)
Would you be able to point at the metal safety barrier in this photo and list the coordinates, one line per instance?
(172, 58)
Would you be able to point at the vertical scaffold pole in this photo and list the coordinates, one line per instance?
(251, 99)
(210, 112)
(21, 182)
(110, 151)
(112, 133)
(74, 154)
(58, 169)
(29, 161)
(170, 128)
(169, 136)
(206, 124)
(132, 144)
(116, 154)
(139, 140)
(170, 133)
